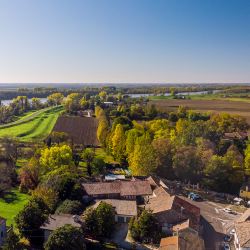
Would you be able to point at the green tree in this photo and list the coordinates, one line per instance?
(66, 238)
(143, 159)
(30, 218)
(70, 207)
(145, 228)
(72, 102)
(36, 103)
(103, 95)
(247, 160)
(12, 241)
(100, 221)
(88, 156)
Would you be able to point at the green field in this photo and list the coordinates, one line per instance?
(11, 204)
(33, 126)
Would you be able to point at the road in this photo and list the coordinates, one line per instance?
(215, 222)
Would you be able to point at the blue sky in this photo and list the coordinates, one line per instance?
(124, 41)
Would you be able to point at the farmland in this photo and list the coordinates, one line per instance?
(215, 106)
(33, 126)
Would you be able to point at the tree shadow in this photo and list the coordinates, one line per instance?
(10, 197)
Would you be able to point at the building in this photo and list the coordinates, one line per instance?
(124, 209)
(3, 230)
(245, 191)
(242, 235)
(186, 240)
(171, 210)
(128, 190)
(241, 136)
(58, 220)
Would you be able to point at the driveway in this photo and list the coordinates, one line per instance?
(119, 237)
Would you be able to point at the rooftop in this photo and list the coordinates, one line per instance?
(245, 216)
(124, 188)
(58, 220)
(122, 207)
(242, 230)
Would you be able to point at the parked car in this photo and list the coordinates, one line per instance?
(228, 238)
(194, 197)
(238, 201)
(232, 232)
(229, 211)
(226, 246)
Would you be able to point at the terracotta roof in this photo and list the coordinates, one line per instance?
(242, 231)
(123, 188)
(169, 243)
(58, 220)
(160, 201)
(245, 216)
(122, 207)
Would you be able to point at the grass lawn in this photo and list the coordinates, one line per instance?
(107, 158)
(11, 204)
(36, 128)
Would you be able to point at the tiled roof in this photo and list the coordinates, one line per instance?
(122, 207)
(169, 243)
(58, 220)
(245, 216)
(236, 135)
(124, 188)
(181, 226)
(242, 230)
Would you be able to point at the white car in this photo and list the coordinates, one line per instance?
(228, 210)
(232, 232)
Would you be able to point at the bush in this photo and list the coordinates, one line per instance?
(70, 207)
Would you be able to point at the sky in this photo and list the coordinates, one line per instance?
(124, 41)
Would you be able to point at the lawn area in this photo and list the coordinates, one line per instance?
(107, 158)
(38, 127)
(11, 204)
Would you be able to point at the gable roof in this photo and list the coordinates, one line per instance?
(122, 207)
(242, 231)
(124, 188)
(81, 130)
(58, 220)
(169, 243)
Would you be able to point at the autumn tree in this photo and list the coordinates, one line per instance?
(72, 102)
(118, 143)
(55, 99)
(143, 159)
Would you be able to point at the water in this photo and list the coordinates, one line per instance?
(183, 93)
(7, 102)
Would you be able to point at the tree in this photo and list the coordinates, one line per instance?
(29, 175)
(72, 102)
(48, 195)
(55, 99)
(100, 221)
(118, 143)
(6, 173)
(30, 218)
(66, 238)
(187, 164)
(12, 241)
(164, 153)
(247, 160)
(56, 157)
(145, 228)
(36, 103)
(70, 207)
(143, 159)
(88, 156)
(102, 130)
(103, 95)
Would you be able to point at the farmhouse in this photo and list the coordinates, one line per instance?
(125, 209)
(128, 190)
(80, 130)
(171, 209)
